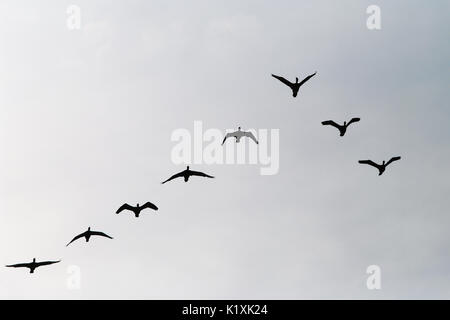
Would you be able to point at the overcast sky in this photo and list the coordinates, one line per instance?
(86, 118)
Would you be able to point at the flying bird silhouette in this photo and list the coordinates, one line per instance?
(294, 86)
(381, 167)
(239, 134)
(87, 235)
(136, 210)
(186, 174)
(342, 128)
(32, 265)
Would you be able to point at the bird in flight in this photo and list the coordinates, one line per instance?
(186, 174)
(136, 210)
(381, 167)
(294, 86)
(87, 235)
(32, 265)
(342, 128)
(239, 134)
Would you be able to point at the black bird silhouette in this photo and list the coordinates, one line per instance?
(294, 86)
(186, 174)
(342, 129)
(87, 235)
(381, 167)
(136, 210)
(239, 134)
(32, 265)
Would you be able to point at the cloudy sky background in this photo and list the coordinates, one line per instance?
(86, 118)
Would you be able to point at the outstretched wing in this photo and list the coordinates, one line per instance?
(392, 160)
(76, 238)
(178, 175)
(286, 82)
(228, 135)
(45, 263)
(125, 206)
(353, 120)
(200, 174)
(18, 265)
(330, 123)
(307, 78)
(101, 234)
(149, 205)
(369, 162)
(251, 136)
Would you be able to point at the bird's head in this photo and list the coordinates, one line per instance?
(89, 228)
(187, 168)
(345, 123)
(296, 79)
(137, 205)
(34, 259)
(384, 162)
(239, 128)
